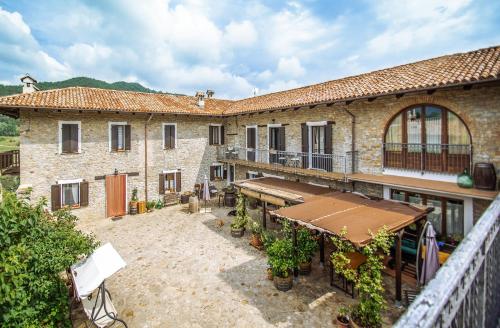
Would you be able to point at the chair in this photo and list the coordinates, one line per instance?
(100, 309)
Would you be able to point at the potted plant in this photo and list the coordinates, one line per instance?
(241, 219)
(306, 247)
(282, 262)
(150, 205)
(256, 229)
(133, 202)
(343, 319)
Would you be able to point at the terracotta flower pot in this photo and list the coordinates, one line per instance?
(283, 284)
(237, 232)
(343, 322)
(255, 240)
(305, 268)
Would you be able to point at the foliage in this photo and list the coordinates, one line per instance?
(242, 217)
(159, 204)
(255, 227)
(134, 195)
(9, 126)
(281, 258)
(150, 204)
(268, 237)
(35, 247)
(369, 278)
(9, 182)
(306, 245)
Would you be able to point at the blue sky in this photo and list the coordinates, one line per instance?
(233, 46)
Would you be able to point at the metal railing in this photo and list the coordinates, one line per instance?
(427, 157)
(466, 290)
(337, 163)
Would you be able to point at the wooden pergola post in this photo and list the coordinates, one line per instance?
(399, 236)
(264, 219)
(321, 249)
(294, 238)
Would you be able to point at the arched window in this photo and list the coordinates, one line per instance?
(427, 138)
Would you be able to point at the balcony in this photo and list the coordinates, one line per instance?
(10, 162)
(327, 166)
(451, 159)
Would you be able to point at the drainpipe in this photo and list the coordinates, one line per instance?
(353, 139)
(146, 157)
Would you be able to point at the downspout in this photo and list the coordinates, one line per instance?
(353, 139)
(146, 157)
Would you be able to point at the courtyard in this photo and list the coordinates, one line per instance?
(185, 270)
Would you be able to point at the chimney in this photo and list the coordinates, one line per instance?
(29, 84)
(200, 96)
(255, 92)
(210, 94)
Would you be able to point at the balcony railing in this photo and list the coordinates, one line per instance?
(428, 157)
(9, 162)
(334, 163)
(466, 290)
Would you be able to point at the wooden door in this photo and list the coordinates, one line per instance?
(116, 187)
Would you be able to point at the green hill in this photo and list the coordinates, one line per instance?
(6, 90)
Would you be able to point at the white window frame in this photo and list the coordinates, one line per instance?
(309, 138)
(219, 133)
(255, 174)
(269, 126)
(110, 124)
(221, 166)
(175, 177)
(65, 182)
(163, 134)
(228, 167)
(256, 141)
(79, 123)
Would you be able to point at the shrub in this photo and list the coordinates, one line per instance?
(306, 245)
(242, 217)
(281, 258)
(35, 247)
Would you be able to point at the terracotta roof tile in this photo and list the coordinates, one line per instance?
(462, 68)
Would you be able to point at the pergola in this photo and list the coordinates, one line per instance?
(328, 212)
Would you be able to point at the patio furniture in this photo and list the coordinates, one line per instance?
(88, 280)
(357, 259)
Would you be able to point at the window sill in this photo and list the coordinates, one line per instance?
(73, 153)
(119, 151)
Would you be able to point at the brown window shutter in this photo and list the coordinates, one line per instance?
(281, 139)
(161, 184)
(210, 135)
(66, 138)
(305, 138)
(84, 193)
(172, 136)
(166, 133)
(128, 132)
(55, 197)
(114, 137)
(74, 138)
(222, 135)
(247, 175)
(224, 174)
(328, 138)
(178, 182)
(212, 173)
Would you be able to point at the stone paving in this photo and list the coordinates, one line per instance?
(185, 270)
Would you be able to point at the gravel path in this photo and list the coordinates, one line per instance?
(185, 270)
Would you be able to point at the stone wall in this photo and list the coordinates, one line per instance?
(42, 165)
(479, 206)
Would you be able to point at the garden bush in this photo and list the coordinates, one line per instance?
(36, 247)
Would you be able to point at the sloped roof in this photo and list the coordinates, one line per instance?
(481, 65)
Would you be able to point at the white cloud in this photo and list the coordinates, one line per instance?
(240, 34)
(290, 67)
(86, 55)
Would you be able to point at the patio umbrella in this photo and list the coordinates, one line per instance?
(206, 192)
(431, 260)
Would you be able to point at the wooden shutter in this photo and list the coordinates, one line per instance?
(74, 138)
(127, 137)
(224, 172)
(222, 135)
(281, 138)
(172, 136)
(251, 133)
(84, 193)
(66, 138)
(114, 137)
(328, 138)
(161, 184)
(210, 135)
(178, 182)
(169, 136)
(305, 138)
(212, 173)
(247, 175)
(55, 197)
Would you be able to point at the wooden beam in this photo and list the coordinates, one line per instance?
(348, 102)
(399, 236)
(468, 87)
(371, 99)
(312, 106)
(399, 95)
(431, 91)
(322, 249)
(264, 219)
(294, 238)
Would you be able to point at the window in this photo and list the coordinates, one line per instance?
(318, 139)
(69, 137)
(217, 172)
(447, 218)
(276, 144)
(69, 193)
(119, 136)
(252, 175)
(169, 135)
(170, 181)
(427, 138)
(317, 145)
(216, 134)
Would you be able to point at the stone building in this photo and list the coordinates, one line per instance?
(401, 133)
